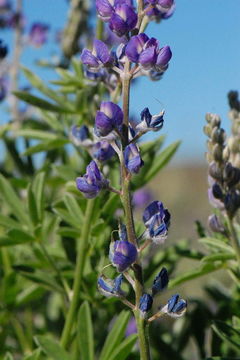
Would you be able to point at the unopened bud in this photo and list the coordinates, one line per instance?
(217, 152)
(215, 171)
(215, 224)
(232, 202)
(231, 174)
(226, 153)
(218, 135)
(233, 144)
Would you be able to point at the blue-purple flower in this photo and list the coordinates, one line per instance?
(109, 287)
(157, 221)
(108, 118)
(98, 57)
(132, 158)
(145, 51)
(175, 307)
(103, 151)
(80, 135)
(131, 327)
(38, 34)
(150, 122)
(146, 302)
(92, 182)
(3, 50)
(215, 224)
(160, 9)
(141, 197)
(123, 19)
(122, 254)
(160, 282)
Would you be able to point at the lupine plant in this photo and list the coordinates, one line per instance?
(86, 260)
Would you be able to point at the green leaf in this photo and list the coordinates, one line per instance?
(216, 244)
(13, 201)
(124, 349)
(85, 332)
(206, 268)
(16, 237)
(228, 334)
(73, 208)
(160, 161)
(152, 146)
(41, 277)
(32, 206)
(34, 356)
(8, 222)
(64, 214)
(40, 103)
(52, 348)
(98, 227)
(46, 146)
(36, 134)
(219, 257)
(8, 356)
(115, 336)
(222, 358)
(52, 120)
(38, 190)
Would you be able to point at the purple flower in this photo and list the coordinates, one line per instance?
(141, 197)
(103, 151)
(150, 122)
(38, 34)
(146, 302)
(175, 307)
(157, 221)
(109, 287)
(109, 118)
(162, 9)
(5, 4)
(132, 158)
(3, 88)
(92, 182)
(122, 254)
(3, 50)
(140, 49)
(160, 282)
(80, 135)
(105, 9)
(98, 57)
(123, 19)
(131, 327)
(215, 224)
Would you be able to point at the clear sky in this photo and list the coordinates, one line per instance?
(204, 38)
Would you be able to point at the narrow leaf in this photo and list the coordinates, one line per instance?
(124, 349)
(85, 332)
(52, 348)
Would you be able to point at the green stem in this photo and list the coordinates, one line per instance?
(126, 81)
(6, 261)
(234, 237)
(143, 337)
(81, 254)
(23, 342)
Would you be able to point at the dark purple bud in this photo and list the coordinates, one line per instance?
(214, 201)
(3, 50)
(38, 34)
(160, 282)
(232, 202)
(175, 307)
(80, 135)
(98, 57)
(215, 224)
(92, 182)
(103, 151)
(109, 117)
(123, 20)
(3, 88)
(132, 158)
(135, 46)
(217, 191)
(163, 57)
(215, 171)
(109, 287)
(122, 254)
(146, 302)
(122, 232)
(141, 197)
(231, 175)
(150, 122)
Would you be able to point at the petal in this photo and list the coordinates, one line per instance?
(148, 57)
(103, 124)
(104, 8)
(118, 25)
(102, 52)
(88, 58)
(164, 56)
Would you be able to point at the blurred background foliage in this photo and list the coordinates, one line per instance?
(42, 216)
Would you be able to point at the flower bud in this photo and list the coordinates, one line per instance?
(232, 202)
(176, 307)
(157, 221)
(109, 118)
(109, 287)
(218, 135)
(145, 304)
(98, 57)
(80, 135)
(160, 282)
(122, 254)
(164, 56)
(231, 175)
(123, 19)
(217, 152)
(3, 50)
(150, 122)
(92, 182)
(103, 151)
(132, 158)
(215, 171)
(215, 224)
(38, 34)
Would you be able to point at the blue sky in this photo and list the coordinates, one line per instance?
(203, 36)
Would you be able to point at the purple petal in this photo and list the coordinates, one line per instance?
(164, 56)
(103, 124)
(102, 52)
(135, 46)
(148, 57)
(90, 191)
(118, 25)
(104, 9)
(88, 58)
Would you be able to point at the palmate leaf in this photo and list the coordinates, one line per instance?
(51, 348)
(115, 336)
(85, 332)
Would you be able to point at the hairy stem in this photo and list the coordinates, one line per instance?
(126, 201)
(81, 254)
